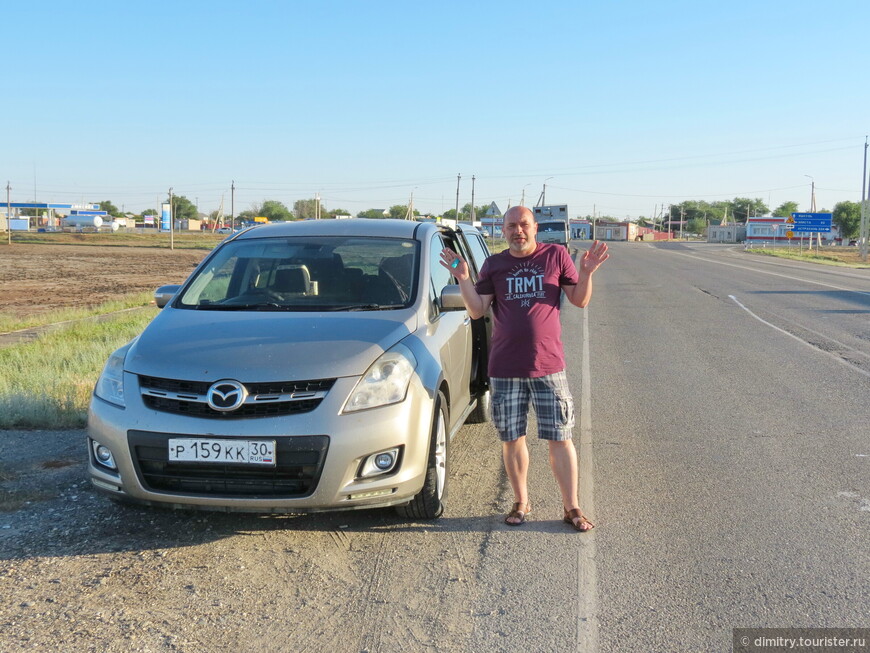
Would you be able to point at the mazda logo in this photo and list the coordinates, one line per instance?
(226, 395)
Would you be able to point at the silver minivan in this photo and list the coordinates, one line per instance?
(303, 366)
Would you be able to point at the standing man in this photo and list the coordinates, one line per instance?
(524, 285)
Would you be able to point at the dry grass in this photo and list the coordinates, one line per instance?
(841, 256)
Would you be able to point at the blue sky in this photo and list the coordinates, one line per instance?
(618, 106)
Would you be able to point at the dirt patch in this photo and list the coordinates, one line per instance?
(41, 278)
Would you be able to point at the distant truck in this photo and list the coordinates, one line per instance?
(553, 231)
(552, 224)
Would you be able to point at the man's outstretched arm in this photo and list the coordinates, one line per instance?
(580, 294)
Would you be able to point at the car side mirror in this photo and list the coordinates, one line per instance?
(164, 293)
(451, 298)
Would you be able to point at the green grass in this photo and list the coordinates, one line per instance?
(47, 383)
(181, 239)
(10, 322)
(496, 245)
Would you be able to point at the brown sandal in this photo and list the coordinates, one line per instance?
(519, 511)
(583, 525)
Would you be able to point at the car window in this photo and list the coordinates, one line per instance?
(478, 249)
(438, 275)
(306, 273)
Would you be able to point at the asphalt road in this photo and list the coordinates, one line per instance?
(724, 436)
(731, 455)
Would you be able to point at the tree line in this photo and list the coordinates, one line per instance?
(697, 214)
(275, 211)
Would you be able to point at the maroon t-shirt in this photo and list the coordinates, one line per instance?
(526, 332)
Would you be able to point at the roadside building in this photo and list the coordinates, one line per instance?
(491, 225)
(627, 231)
(580, 229)
(188, 225)
(766, 230)
(614, 230)
(726, 233)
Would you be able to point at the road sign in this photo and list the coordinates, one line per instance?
(493, 210)
(789, 234)
(811, 222)
(811, 227)
(802, 217)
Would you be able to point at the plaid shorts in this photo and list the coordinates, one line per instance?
(551, 398)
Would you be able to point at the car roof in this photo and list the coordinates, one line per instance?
(331, 227)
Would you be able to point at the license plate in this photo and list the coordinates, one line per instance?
(202, 450)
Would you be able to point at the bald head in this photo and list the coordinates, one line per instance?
(515, 213)
(519, 229)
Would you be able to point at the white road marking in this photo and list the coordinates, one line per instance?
(800, 340)
(587, 577)
(773, 274)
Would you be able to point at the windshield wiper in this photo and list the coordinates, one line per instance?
(272, 306)
(261, 306)
(366, 307)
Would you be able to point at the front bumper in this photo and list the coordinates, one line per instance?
(344, 442)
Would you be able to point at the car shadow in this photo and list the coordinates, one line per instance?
(82, 522)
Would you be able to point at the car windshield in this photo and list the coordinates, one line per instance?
(551, 226)
(306, 274)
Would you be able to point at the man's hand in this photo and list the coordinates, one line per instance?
(594, 257)
(454, 264)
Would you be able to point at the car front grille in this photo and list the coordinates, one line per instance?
(264, 399)
(299, 463)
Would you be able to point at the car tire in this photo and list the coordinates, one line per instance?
(428, 503)
(482, 412)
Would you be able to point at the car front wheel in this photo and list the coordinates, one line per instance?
(428, 503)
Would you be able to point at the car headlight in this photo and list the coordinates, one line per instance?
(110, 385)
(385, 382)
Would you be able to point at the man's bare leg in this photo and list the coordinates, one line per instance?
(516, 464)
(563, 461)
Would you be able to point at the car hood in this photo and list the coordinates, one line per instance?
(261, 347)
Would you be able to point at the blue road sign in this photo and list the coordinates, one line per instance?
(809, 229)
(802, 217)
(810, 222)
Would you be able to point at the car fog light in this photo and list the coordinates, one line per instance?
(369, 495)
(380, 463)
(104, 456)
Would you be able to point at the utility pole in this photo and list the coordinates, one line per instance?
(862, 232)
(9, 213)
(542, 200)
(233, 205)
(171, 220)
(472, 199)
(813, 210)
(593, 223)
(458, 177)
(409, 214)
